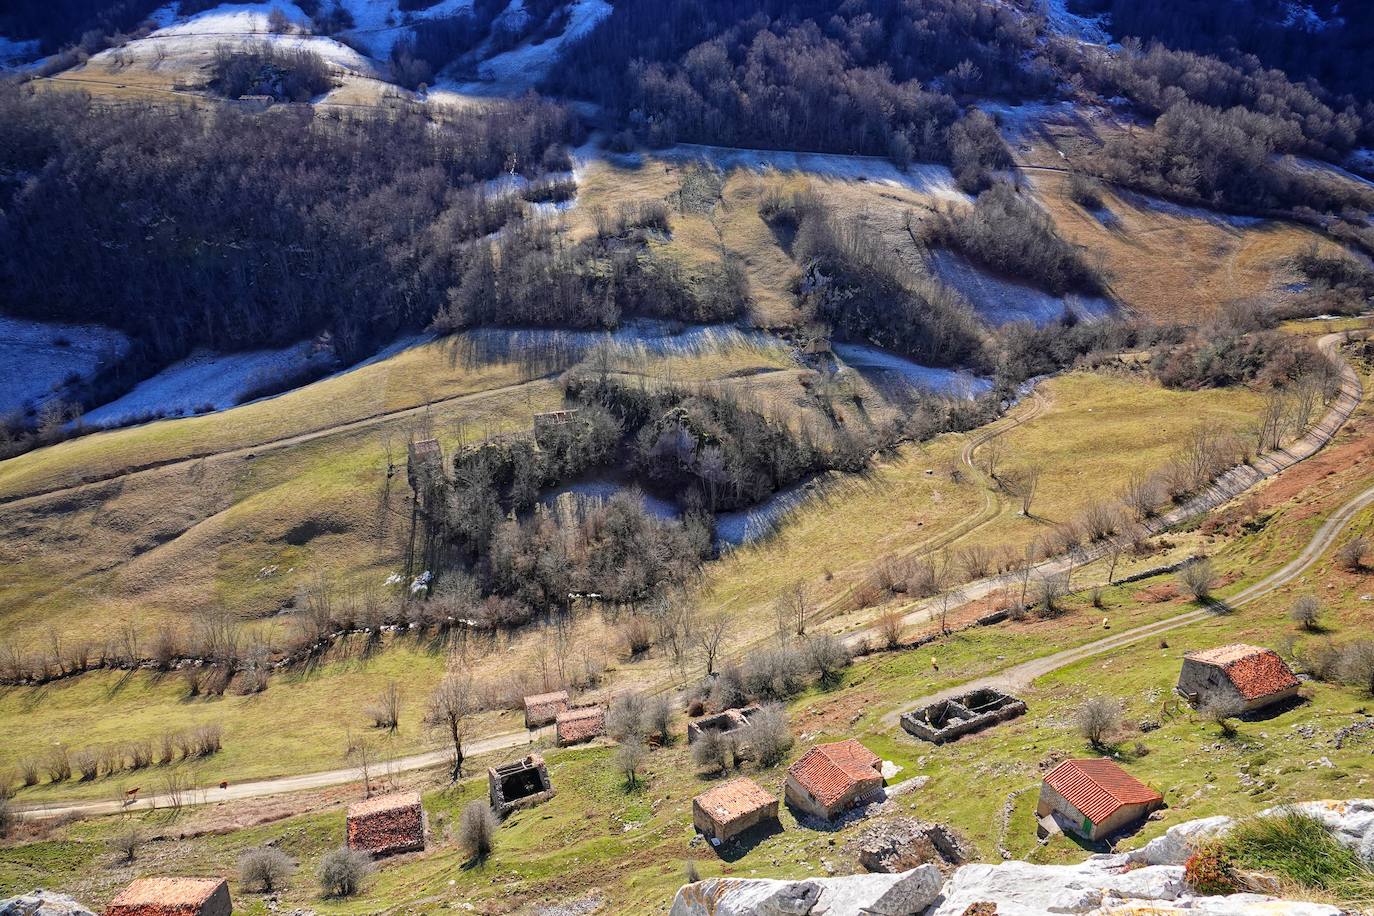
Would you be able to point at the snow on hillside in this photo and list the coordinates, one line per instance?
(37, 357)
(231, 23)
(924, 178)
(524, 65)
(204, 381)
(1001, 301)
(1084, 28)
(379, 24)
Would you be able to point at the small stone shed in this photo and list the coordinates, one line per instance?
(1244, 677)
(832, 778)
(387, 824)
(579, 724)
(424, 458)
(724, 722)
(173, 897)
(731, 808)
(518, 784)
(1094, 797)
(543, 708)
(970, 712)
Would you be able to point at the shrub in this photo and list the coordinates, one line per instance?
(713, 751)
(58, 765)
(1298, 848)
(890, 628)
(1085, 191)
(1356, 665)
(1306, 612)
(1352, 553)
(343, 870)
(126, 843)
(1198, 578)
(477, 829)
(1221, 712)
(264, 870)
(7, 817)
(87, 763)
(1097, 719)
(625, 718)
(1208, 871)
(768, 736)
(629, 758)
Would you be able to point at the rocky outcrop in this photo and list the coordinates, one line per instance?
(856, 895)
(42, 903)
(902, 843)
(1146, 880)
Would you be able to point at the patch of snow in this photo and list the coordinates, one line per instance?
(1000, 301)
(1303, 163)
(1159, 205)
(924, 178)
(379, 24)
(602, 487)
(203, 380)
(524, 65)
(234, 23)
(1083, 28)
(36, 357)
(884, 366)
(744, 526)
(13, 51)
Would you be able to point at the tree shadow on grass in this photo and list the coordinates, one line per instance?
(741, 844)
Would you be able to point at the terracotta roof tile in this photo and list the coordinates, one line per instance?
(581, 723)
(387, 824)
(165, 896)
(734, 799)
(1256, 672)
(1097, 787)
(830, 771)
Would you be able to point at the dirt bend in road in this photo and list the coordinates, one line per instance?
(1012, 678)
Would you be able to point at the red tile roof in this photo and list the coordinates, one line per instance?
(543, 707)
(1256, 672)
(165, 896)
(1098, 787)
(581, 723)
(831, 771)
(734, 799)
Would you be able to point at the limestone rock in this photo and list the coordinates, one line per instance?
(1022, 889)
(1179, 841)
(42, 903)
(905, 894)
(903, 843)
(1351, 822)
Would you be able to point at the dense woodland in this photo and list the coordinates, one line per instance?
(1331, 45)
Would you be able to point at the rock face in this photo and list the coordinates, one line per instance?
(42, 903)
(904, 894)
(1146, 880)
(903, 843)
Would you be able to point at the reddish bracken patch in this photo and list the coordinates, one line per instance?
(1158, 593)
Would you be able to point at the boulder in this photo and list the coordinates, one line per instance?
(1351, 822)
(1022, 889)
(42, 903)
(905, 894)
(902, 843)
(1179, 841)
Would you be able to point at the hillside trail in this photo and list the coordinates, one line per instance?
(1014, 677)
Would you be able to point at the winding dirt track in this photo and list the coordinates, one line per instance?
(1015, 677)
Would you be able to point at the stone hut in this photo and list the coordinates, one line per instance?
(519, 784)
(551, 421)
(731, 808)
(543, 708)
(387, 824)
(1243, 677)
(1094, 798)
(830, 779)
(970, 712)
(579, 724)
(173, 897)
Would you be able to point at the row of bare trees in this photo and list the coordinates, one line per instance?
(89, 763)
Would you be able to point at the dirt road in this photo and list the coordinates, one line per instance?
(1012, 678)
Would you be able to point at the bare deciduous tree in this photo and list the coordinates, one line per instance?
(450, 710)
(1198, 577)
(1097, 719)
(1306, 612)
(711, 637)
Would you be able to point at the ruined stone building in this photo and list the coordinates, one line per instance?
(1244, 678)
(518, 784)
(1094, 798)
(830, 779)
(970, 712)
(731, 720)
